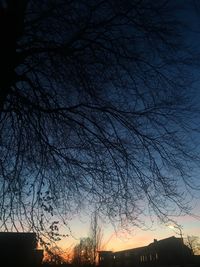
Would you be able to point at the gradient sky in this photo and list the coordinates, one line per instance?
(119, 239)
(116, 239)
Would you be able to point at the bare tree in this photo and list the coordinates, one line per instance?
(96, 235)
(55, 256)
(94, 106)
(193, 243)
(83, 252)
(76, 255)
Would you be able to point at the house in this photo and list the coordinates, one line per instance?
(19, 249)
(166, 252)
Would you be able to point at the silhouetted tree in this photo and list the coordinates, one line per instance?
(193, 243)
(76, 255)
(96, 235)
(94, 109)
(83, 252)
(55, 256)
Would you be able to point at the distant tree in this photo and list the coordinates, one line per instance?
(54, 256)
(96, 235)
(76, 255)
(94, 108)
(83, 252)
(193, 242)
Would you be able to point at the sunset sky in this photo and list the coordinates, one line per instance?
(100, 125)
(120, 239)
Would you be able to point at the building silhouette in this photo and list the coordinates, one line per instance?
(19, 250)
(166, 252)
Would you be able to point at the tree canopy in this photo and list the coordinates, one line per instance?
(95, 108)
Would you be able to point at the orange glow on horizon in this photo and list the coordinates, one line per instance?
(114, 240)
